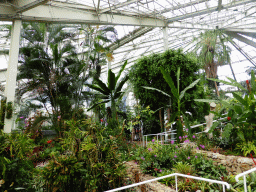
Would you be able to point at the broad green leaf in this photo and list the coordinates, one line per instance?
(240, 134)
(151, 88)
(95, 105)
(236, 84)
(188, 87)
(121, 83)
(96, 88)
(227, 130)
(111, 80)
(173, 116)
(226, 104)
(121, 70)
(118, 95)
(228, 83)
(215, 124)
(239, 98)
(168, 79)
(102, 85)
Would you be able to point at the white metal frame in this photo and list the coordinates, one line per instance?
(224, 184)
(244, 176)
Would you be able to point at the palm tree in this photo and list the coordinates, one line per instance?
(94, 45)
(51, 70)
(112, 91)
(214, 52)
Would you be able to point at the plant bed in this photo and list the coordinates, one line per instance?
(233, 164)
(133, 169)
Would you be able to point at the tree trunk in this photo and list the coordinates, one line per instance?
(161, 119)
(217, 90)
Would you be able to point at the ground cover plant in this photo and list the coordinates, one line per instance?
(160, 160)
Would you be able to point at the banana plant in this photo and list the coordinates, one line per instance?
(178, 97)
(111, 91)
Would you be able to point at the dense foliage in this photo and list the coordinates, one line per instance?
(146, 72)
(87, 158)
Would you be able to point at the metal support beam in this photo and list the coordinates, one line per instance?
(241, 16)
(243, 53)
(182, 25)
(241, 38)
(31, 5)
(247, 32)
(130, 37)
(12, 70)
(208, 10)
(72, 15)
(119, 5)
(180, 6)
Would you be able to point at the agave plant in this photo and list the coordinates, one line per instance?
(112, 91)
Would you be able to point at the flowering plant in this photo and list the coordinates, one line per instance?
(241, 112)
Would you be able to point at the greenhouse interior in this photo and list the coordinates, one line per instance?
(128, 95)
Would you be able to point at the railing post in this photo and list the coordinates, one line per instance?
(223, 188)
(143, 141)
(157, 138)
(146, 140)
(245, 186)
(176, 183)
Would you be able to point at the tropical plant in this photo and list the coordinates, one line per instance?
(241, 112)
(95, 51)
(177, 95)
(111, 91)
(15, 167)
(146, 72)
(50, 72)
(2, 112)
(91, 161)
(214, 52)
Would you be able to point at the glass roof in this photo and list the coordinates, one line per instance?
(139, 24)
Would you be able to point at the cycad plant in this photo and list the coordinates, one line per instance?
(112, 91)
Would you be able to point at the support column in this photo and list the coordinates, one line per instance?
(12, 70)
(109, 67)
(166, 46)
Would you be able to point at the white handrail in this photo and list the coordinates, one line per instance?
(170, 175)
(244, 175)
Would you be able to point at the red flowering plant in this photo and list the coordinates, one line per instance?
(240, 127)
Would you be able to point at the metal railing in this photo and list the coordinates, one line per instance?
(176, 183)
(158, 135)
(244, 175)
(166, 134)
